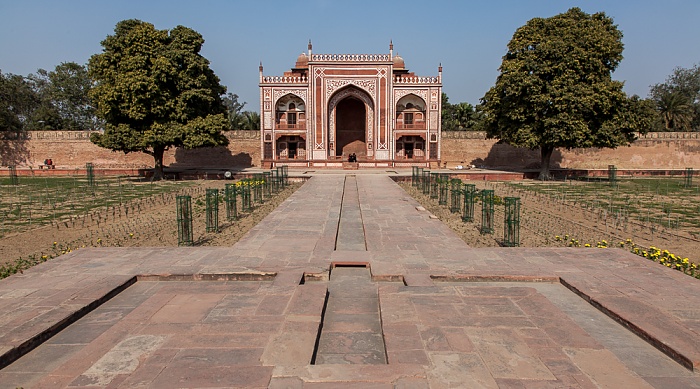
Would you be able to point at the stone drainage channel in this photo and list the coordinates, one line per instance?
(351, 324)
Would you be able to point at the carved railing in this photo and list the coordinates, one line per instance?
(414, 126)
(285, 80)
(416, 80)
(350, 57)
(283, 126)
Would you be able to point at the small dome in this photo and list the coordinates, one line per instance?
(398, 62)
(302, 61)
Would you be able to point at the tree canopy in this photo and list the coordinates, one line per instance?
(155, 91)
(555, 88)
(459, 117)
(47, 100)
(678, 100)
(17, 102)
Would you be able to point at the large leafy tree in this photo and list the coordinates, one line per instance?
(63, 98)
(678, 99)
(155, 91)
(555, 88)
(17, 102)
(69, 87)
(459, 117)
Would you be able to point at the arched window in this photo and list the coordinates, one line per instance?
(290, 112)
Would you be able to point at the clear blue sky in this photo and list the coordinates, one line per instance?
(467, 37)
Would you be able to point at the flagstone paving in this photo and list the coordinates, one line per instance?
(426, 310)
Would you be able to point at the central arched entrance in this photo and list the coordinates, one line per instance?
(351, 128)
(351, 124)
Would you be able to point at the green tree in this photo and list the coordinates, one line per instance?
(555, 88)
(19, 103)
(678, 99)
(235, 111)
(448, 114)
(459, 117)
(251, 121)
(155, 91)
(69, 87)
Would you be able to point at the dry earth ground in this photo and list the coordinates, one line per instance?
(542, 219)
(155, 225)
(152, 223)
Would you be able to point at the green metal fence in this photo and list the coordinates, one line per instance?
(434, 185)
(612, 175)
(487, 211)
(231, 194)
(212, 210)
(246, 203)
(689, 177)
(90, 172)
(184, 220)
(455, 195)
(425, 182)
(469, 194)
(14, 180)
(511, 222)
(443, 188)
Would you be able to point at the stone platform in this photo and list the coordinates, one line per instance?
(349, 284)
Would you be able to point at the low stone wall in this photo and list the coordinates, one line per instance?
(658, 150)
(72, 149)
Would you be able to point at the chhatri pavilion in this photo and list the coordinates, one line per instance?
(331, 106)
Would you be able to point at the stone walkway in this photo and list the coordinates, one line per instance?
(255, 314)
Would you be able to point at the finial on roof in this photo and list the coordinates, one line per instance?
(309, 44)
(261, 67)
(391, 44)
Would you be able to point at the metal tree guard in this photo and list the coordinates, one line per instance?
(285, 175)
(231, 206)
(444, 189)
(612, 175)
(14, 180)
(257, 189)
(267, 183)
(90, 171)
(275, 180)
(425, 182)
(434, 185)
(212, 210)
(184, 220)
(688, 177)
(511, 222)
(469, 194)
(246, 204)
(487, 211)
(455, 195)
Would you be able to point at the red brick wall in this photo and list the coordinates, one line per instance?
(663, 150)
(73, 149)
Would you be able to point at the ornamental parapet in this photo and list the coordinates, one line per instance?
(285, 80)
(416, 80)
(351, 57)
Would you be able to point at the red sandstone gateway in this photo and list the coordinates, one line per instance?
(329, 106)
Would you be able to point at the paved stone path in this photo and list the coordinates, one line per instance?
(249, 315)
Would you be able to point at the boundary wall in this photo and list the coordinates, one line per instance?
(72, 149)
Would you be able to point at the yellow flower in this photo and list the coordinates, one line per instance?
(587, 245)
(55, 243)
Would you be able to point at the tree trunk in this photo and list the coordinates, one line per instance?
(158, 152)
(545, 157)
